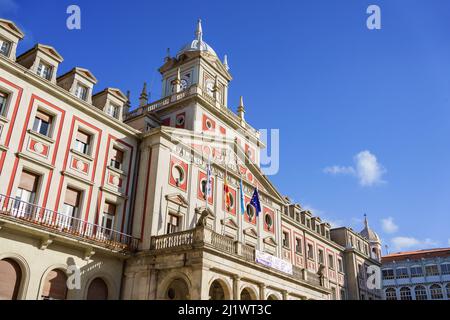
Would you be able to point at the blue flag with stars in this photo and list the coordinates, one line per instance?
(255, 202)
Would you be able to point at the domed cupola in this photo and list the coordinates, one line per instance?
(197, 44)
(374, 240)
(368, 233)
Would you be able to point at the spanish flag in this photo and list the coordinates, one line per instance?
(226, 190)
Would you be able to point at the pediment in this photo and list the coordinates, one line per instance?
(49, 50)
(251, 232)
(177, 199)
(270, 240)
(229, 222)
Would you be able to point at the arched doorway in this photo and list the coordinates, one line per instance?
(217, 291)
(272, 297)
(10, 279)
(55, 287)
(177, 290)
(98, 290)
(247, 294)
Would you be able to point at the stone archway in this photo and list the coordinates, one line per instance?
(97, 290)
(248, 294)
(272, 297)
(177, 289)
(10, 279)
(218, 290)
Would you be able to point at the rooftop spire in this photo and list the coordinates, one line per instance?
(199, 31)
(225, 62)
(143, 98)
(366, 222)
(241, 110)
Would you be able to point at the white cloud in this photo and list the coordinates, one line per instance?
(367, 169)
(389, 225)
(8, 6)
(339, 170)
(408, 243)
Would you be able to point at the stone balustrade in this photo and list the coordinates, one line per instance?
(202, 237)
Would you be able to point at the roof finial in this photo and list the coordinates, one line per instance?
(225, 62)
(199, 31)
(366, 222)
(241, 110)
(143, 98)
(167, 58)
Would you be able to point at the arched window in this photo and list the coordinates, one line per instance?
(177, 290)
(421, 293)
(447, 287)
(405, 294)
(216, 291)
(10, 279)
(98, 290)
(272, 297)
(55, 286)
(391, 294)
(436, 292)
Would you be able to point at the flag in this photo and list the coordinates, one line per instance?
(255, 202)
(226, 190)
(241, 196)
(208, 180)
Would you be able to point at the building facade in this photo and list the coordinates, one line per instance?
(417, 275)
(120, 194)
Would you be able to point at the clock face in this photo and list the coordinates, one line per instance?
(183, 84)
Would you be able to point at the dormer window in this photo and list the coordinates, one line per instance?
(81, 92)
(5, 47)
(44, 70)
(113, 110)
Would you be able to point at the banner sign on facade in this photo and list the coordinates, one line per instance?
(273, 262)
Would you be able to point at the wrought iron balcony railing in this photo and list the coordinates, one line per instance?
(55, 222)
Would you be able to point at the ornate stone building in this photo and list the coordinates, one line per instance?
(122, 194)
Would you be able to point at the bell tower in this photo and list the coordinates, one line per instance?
(196, 64)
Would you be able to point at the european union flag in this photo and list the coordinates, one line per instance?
(255, 202)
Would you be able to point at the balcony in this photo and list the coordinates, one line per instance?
(193, 90)
(203, 237)
(24, 213)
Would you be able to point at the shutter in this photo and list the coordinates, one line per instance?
(83, 137)
(98, 290)
(28, 181)
(43, 116)
(117, 155)
(110, 209)
(10, 277)
(72, 197)
(55, 285)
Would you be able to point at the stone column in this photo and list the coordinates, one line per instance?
(285, 295)
(236, 283)
(262, 291)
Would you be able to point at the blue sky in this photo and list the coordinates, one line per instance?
(364, 115)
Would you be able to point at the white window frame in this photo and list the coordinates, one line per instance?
(4, 104)
(45, 70)
(5, 43)
(81, 91)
